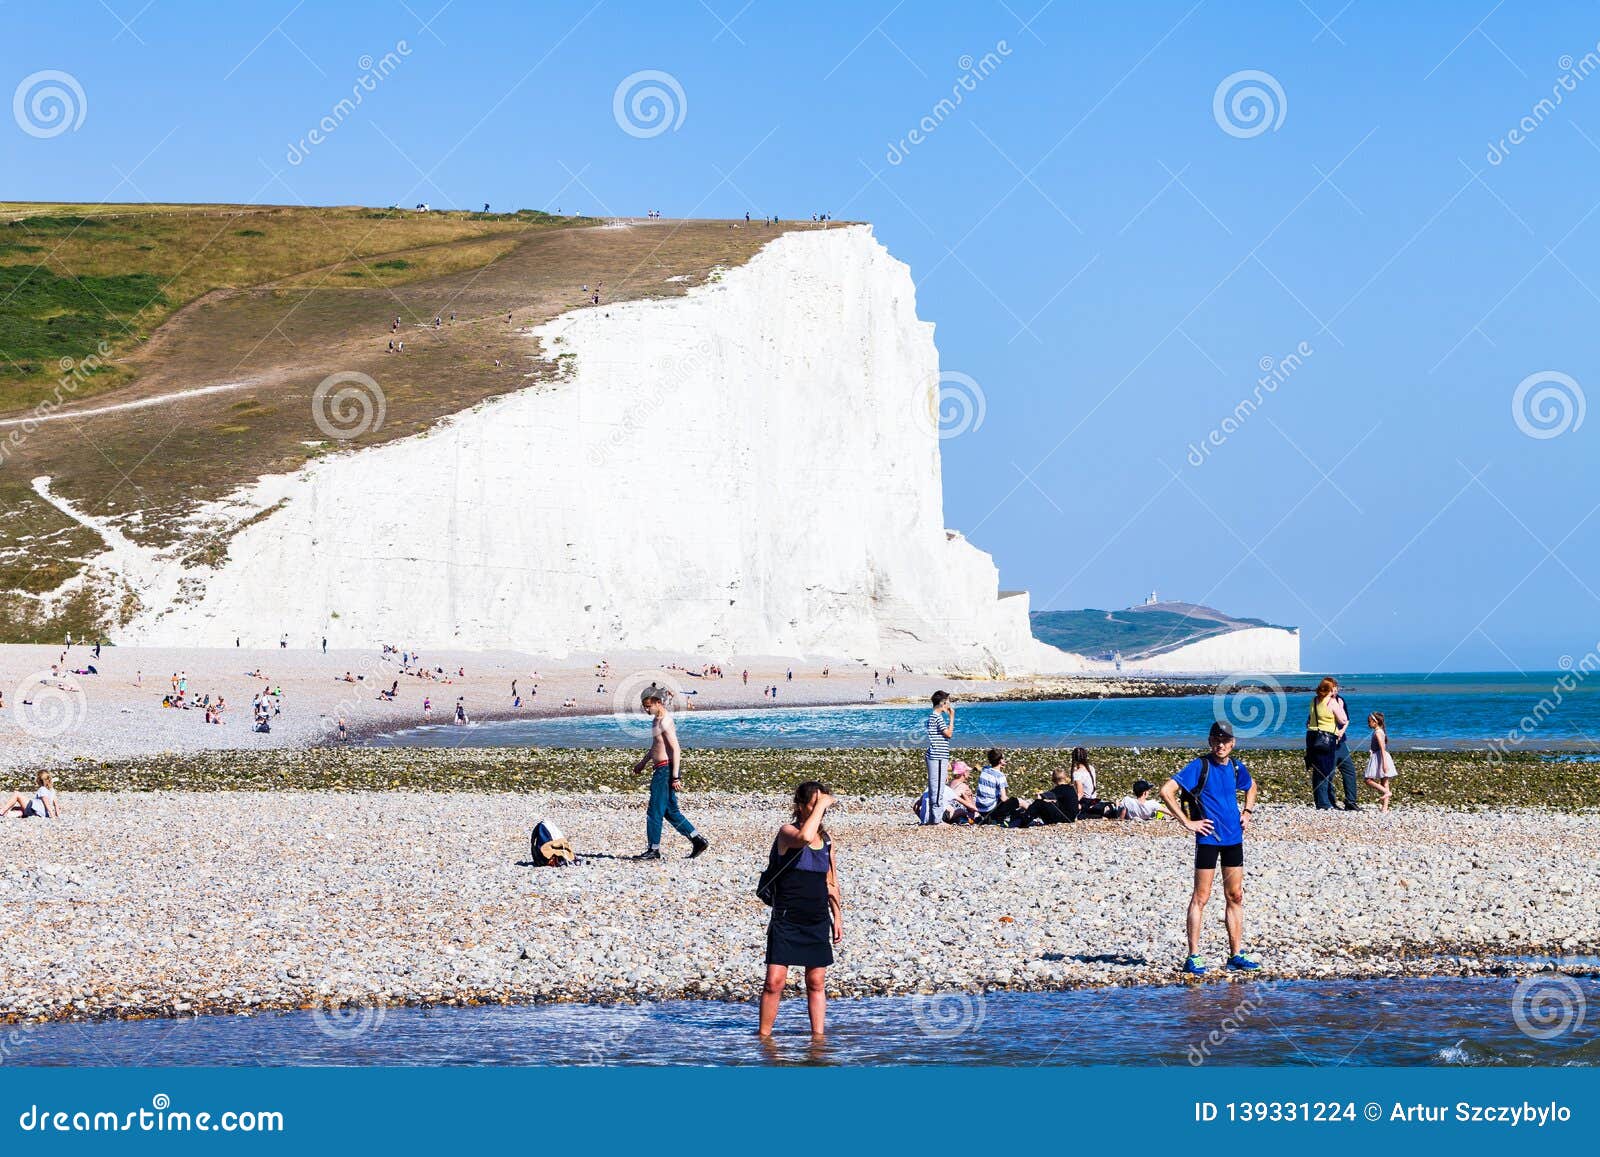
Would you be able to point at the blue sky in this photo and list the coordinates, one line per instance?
(1107, 256)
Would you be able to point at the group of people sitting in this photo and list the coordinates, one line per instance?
(1074, 794)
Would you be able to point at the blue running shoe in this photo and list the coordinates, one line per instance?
(1194, 966)
(1239, 962)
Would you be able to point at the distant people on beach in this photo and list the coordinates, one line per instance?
(1323, 727)
(42, 804)
(664, 760)
(1380, 764)
(801, 883)
(1204, 797)
(940, 728)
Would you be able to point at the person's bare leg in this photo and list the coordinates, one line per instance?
(771, 994)
(17, 804)
(1233, 892)
(817, 999)
(1197, 905)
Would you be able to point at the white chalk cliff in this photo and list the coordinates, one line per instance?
(1252, 649)
(750, 468)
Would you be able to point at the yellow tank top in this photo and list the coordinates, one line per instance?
(1321, 717)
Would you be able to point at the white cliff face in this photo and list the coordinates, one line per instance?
(752, 468)
(1255, 650)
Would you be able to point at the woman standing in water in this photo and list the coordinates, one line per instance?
(807, 920)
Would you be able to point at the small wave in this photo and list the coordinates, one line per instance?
(1467, 1054)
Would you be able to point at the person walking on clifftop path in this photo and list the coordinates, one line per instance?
(941, 725)
(666, 757)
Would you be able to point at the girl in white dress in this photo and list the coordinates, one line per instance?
(1380, 764)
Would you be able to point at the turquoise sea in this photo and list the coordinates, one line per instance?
(1532, 711)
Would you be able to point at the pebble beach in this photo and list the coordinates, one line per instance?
(178, 902)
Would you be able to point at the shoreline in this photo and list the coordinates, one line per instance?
(287, 899)
(1465, 961)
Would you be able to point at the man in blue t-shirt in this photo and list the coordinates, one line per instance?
(1214, 781)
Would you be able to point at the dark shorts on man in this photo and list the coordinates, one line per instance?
(1207, 855)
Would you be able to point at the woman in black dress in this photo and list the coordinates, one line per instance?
(807, 920)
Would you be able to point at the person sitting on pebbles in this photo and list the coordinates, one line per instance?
(41, 805)
(956, 803)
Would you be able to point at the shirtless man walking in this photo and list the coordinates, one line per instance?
(666, 757)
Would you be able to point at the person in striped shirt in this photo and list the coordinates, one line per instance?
(941, 725)
(996, 804)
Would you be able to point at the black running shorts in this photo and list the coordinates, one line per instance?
(1206, 856)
